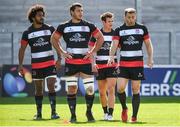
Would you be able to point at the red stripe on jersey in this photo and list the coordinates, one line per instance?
(100, 66)
(146, 37)
(95, 32)
(43, 64)
(115, 38)
(24, 42)
(131, 64)
(78, 61)
(57, 32)
(91, 43)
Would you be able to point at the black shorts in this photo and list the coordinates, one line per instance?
(134, 73)
(72, 69)
(107, 73)
(44, 72)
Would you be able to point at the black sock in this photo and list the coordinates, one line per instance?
(105, 109)
(89, 102)
(52, 99)
(71, 98)
(110, 111)
(122, 99)
(38, 100)
(135, 104)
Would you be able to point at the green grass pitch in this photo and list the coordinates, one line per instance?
(154, 111)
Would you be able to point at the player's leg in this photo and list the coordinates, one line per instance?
(122, 82)
(50, 77)
(88, 81)
(121, 86)
(37, 76)
(38, 98)
(135, 98)
(137, 74)
(71, 88)
(102, 86)
(52, 96)
(111, 83)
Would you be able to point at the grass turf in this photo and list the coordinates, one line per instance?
(154, 111)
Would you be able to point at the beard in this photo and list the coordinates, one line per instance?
(40, 22)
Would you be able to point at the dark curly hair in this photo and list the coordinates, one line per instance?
(33, 11)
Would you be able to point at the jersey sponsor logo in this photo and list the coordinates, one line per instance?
(76, 29)
(130, 41)
(77, 37)
(40, 42)
(131, 32)
(39, 34)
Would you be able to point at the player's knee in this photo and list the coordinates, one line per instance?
(135, 90)
(102, 93)
(111, 90)
(71, 85)
(38, 93)
(89, 85)
(121, 89)
(72, 90)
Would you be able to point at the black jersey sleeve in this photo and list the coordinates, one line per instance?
(60, 29)
(116, 34)
(146, 33)
(24, 38)
(93, 29)
(52, 29)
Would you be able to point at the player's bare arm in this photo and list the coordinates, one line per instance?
(149, 49)
(112, 51)
(21, 58)
(98, 44)
(56, 44)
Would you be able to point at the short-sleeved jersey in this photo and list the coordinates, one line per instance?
(103, 54)
(77, 36)
(131, 39)
(41, 49)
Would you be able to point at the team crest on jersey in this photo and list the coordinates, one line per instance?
(106, 46)
(77, 37)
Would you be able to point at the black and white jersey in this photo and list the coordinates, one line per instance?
(77, 36)
(102, 55)
(131, 39)
(41, 49)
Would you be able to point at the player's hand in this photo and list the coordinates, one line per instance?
(88, 55)
(20, 70)
(110, 61)
(67, 55)
(150, 63)
(58, 64)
